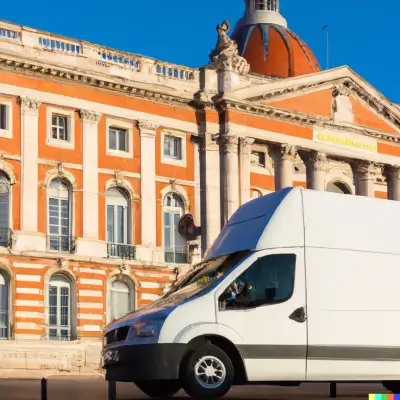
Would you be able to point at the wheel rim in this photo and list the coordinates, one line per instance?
(210, 372)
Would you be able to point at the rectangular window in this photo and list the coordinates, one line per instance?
(59, 127)
(118, 139)
(116, 224)
(4, 117)
(270, 280)
(173, 147)
(258, 158)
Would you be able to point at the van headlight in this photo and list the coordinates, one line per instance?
(146, 329)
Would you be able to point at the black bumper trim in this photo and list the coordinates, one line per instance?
(145, 362)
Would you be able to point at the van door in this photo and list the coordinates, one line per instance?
(268, 313)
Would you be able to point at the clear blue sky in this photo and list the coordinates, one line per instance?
(361, 36)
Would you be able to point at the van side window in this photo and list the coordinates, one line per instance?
(270, 280)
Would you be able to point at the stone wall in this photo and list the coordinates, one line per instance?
(43, 359)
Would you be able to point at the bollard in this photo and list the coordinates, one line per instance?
(43, 387)
(112, 390)
(332, 390)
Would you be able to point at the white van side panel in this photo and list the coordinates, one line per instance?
(350, 222)
(189, 320)
(353, 307)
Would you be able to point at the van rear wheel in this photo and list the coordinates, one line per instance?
(208, 373)
(392, 386)
(159, 389)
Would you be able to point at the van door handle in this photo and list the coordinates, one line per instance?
(299, 315)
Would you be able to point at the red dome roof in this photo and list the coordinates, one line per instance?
(274, 50)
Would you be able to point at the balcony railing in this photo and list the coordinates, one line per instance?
(5, 237)
(62, 243)
(177, 255)
(63, 336)
(123, 251)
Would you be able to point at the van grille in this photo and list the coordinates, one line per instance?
(117, 335)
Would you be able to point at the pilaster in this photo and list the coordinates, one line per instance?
(148, 183)
(90, 157)
(364, 178)
(245, 168)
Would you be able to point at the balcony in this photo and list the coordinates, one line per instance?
(122, 251)
(178, 255)
(5, 237)
(59, 335)
(61, 243)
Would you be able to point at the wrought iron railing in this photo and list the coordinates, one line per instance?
(177, 255)
(5, 237)
(62, 243)
(55, 334)
(123, 251)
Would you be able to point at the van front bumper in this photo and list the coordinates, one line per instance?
(142, 362)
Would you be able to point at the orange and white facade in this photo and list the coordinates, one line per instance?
(102, 152)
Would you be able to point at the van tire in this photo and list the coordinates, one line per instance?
(159, 389)
(194, 378)
(392, 386)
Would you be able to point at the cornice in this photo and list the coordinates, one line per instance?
(82, 77)
(299, 118)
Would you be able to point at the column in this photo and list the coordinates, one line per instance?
(229, 145)
(29, 171)
(392, 174)
(364, 178)
(148, 183)
(210, 191)
(90, 157)
(245, 168)
(316, 167)
(284, 166)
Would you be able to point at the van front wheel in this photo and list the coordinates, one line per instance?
(208, 373)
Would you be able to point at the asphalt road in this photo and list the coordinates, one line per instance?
(96, 389)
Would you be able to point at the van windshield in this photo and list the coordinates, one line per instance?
(203, 276)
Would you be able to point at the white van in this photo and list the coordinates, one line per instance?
(299, 286)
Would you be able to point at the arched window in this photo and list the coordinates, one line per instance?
(4, 305)
(60, 308)
(59, 215)
(175, 245)
(119, 230)
(4, 210)
(338, 187)
(121, 297)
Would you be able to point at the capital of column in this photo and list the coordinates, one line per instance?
(90, 116)
(391, 171)
(364, 169)
(245, 144)
(316, 161)
(147, 129)
(229, 143)
(29, 106)
(287, 152)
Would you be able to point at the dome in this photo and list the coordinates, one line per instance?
(269, 46)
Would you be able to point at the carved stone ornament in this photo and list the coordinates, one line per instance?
(317, 161)
(29, 106)
(60, 168)
(391, 171)
(342, 108)
(90, 116)
(225, 56)
(147, 126)
(288, 152)
(62, 263)
(229, 143)
(245, 144)
(364, 169)
(119, 178)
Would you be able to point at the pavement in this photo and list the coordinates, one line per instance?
(81, 388)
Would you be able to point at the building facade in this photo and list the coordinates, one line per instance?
(102, 152)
